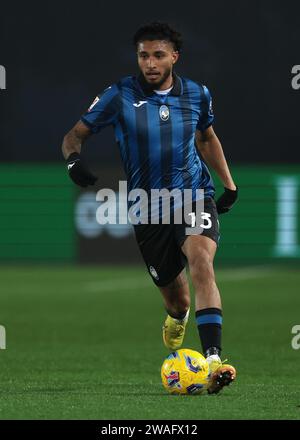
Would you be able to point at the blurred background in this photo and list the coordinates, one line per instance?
(59, 56)
(61, 271)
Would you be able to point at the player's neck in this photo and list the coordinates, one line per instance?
(167, 84)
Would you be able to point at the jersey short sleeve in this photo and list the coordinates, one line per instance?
(103, 111)
(206, 111)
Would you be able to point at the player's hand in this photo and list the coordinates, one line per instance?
(78, 171)
(227, 200)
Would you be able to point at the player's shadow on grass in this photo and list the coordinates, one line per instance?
(109, 393)
(170, 396)
(142, 394)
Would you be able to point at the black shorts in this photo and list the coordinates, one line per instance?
(160, 245)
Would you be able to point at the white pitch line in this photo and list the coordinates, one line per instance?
(136, 283)
(245, 273)
(123, 283)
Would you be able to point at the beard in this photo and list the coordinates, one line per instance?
(155, 86)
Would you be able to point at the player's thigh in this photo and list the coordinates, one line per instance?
(200, 243)
(199, 250)
(161, 253)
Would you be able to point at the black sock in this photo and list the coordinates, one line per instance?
(209, 322)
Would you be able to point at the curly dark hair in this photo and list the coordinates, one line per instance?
(158, 31)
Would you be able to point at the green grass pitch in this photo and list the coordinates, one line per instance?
(85, 343)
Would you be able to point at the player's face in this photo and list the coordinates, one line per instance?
(156, 59)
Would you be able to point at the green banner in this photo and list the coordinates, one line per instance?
(37, 213)
(44, 217)
(264, 223)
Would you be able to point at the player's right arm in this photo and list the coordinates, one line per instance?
(74, 139)
(103, 112)
(71, 149)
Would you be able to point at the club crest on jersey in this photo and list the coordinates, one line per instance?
(164, 112)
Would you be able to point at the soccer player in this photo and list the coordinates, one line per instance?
(160, 121)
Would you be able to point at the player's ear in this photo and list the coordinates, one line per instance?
(175, 56)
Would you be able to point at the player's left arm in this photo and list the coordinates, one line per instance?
(212, 152)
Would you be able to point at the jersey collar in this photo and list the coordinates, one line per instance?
(147, 89)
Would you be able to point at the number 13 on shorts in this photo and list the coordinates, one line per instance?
(206, 216)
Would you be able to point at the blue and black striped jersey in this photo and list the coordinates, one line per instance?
(156, 133)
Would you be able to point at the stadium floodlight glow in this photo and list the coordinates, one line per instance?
(287, 240)
(2, 78)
